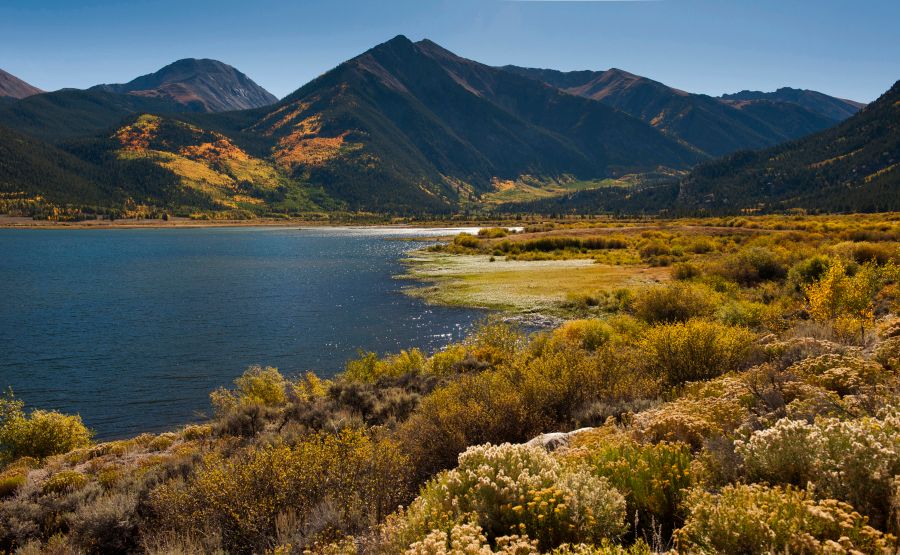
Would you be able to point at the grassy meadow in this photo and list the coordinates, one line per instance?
(723, 385)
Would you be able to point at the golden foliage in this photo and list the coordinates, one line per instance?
(298, 149)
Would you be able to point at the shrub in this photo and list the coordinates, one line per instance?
(701, 245)
(887, 353)
(514, 489)
(639, 547)
(161, 442)
(469, 539)
(706, 410)
(244, 420)
(39, 434)
(654, 248)
(256, 386)
(853, 461)
(108, 477)
(11, 481)
(107, 524)
(493, 232)
(495, 342)
(675, 302)
(450, 360)
(864, 251)
(842, 374)
(752, 265)
(196, 431)
(782, 454)
(684, 271)
(857, 463)
(807, 271)
(847, 300)
(64, 481)
(467, 241)
(606, 301)
(475, 409)
(584, 334)
(652, 477)
(58, 544)
(542, 388)
(369, 368)
(758, 519)
(361, 479)
(557, 243)
(742, 313)
(695, 350)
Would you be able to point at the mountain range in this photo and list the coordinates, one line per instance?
(406, 127)
(851, 167)
(716, 126)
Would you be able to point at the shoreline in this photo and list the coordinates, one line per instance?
(17, 222)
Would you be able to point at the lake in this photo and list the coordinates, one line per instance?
(132, 328)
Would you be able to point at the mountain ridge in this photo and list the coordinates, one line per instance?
(714, 126)
(837, 108)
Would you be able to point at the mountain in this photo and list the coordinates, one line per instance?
(411, 124)
(184, 86)
(854, 166)
(822, 104)
(132, 172)
(403, 127)
(208, 165)
(203, 85)
(29, 167)
(71, 113)
(413, 128)
(40, 179)
(713, 126)
(13, 87)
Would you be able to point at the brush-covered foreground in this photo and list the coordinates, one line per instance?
(747, 405)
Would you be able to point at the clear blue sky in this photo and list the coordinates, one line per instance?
(845, 48)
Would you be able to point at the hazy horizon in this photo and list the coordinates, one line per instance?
(697, 46)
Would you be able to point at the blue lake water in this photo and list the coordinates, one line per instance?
(133, 328)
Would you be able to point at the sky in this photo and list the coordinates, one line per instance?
(849, 49)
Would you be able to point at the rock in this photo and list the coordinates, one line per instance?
(534, 321)
(555, 440)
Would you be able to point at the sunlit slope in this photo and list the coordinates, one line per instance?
(209, 164)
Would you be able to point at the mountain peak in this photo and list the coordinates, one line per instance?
(622, 73)
(13, 87)
(399, 39)
(202, 83)
(398, 42)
